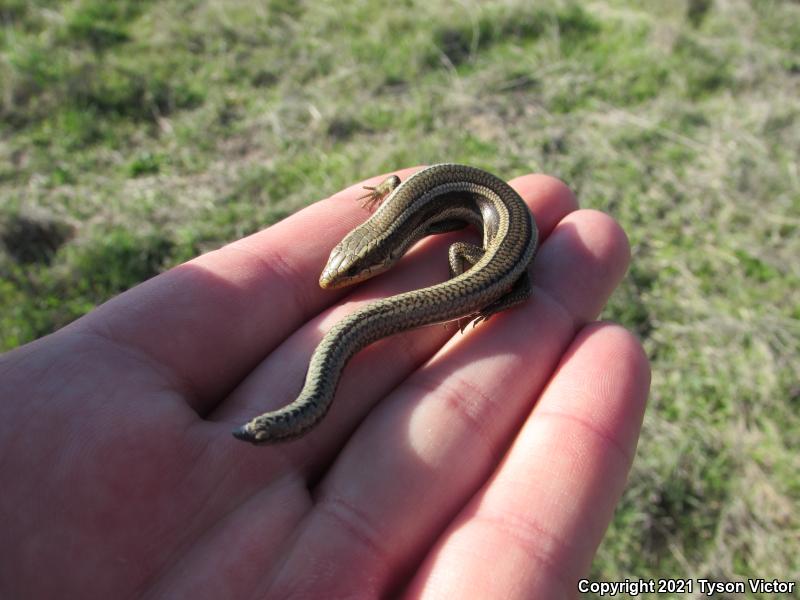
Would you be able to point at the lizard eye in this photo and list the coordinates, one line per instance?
(352, 271)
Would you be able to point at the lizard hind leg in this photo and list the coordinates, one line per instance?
(462, 256)
(519, 293)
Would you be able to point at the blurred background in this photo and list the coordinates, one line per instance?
(135, 135)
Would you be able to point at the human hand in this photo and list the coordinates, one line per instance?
(482, 465)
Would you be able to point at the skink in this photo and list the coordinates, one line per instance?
(484, 279)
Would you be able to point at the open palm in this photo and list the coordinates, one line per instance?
(479, 465)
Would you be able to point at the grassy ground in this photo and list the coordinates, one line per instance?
(138, 134)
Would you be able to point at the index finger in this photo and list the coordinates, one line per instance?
(211, 320)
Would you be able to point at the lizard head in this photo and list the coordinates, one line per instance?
(353, 260)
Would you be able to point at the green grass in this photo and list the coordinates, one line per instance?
(138, 134)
